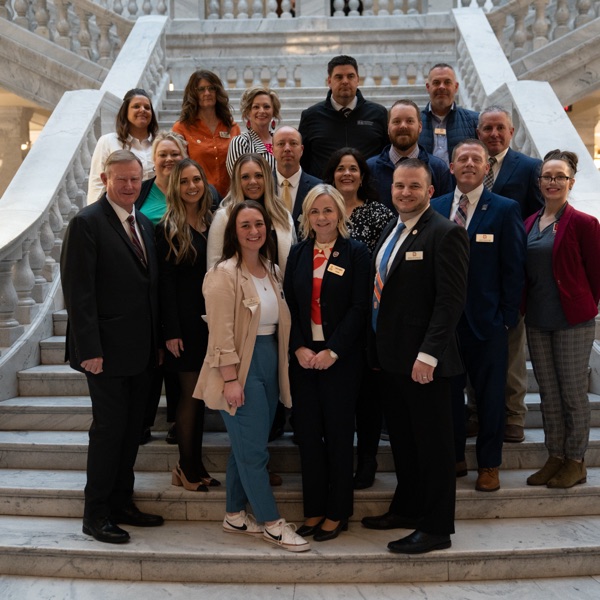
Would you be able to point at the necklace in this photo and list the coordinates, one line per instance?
(325, 246)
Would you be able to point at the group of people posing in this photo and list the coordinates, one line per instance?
(370, 263)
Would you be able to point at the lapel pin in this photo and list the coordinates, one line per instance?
(336, 254)
(414, 232)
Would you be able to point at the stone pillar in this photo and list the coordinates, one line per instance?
(14, 131)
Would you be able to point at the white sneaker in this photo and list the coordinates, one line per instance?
(242, 523)
(284, 534)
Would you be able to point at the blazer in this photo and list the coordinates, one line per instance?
(576, 263)
(422, 300)
(344, 295)
(233, 315)
(518, 180)
(496, 262)
(111, 298)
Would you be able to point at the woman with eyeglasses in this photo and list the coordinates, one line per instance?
(562, 294)
(208, 126)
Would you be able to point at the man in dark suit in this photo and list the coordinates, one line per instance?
(420, 273)
(288, 149)
(496, 279)
(109, 278)
(515, 176)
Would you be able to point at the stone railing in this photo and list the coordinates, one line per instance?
(523, 26)
(82, 26)
(49, 188)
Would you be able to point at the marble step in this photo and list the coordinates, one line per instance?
(68, 450)
(59, 493)
(50, 588)
(183, 551)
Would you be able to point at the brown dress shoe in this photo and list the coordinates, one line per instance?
(514, 434)
(275, 479)
(471, 428)
(570, 474)
(488, 480)
(547, 472)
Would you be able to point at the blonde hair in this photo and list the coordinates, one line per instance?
(324, 189)
(170, 136)
(248, 98)
(278, 213)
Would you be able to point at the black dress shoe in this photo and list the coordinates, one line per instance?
(104, 530)
(388, 521)
(365, 475)
(322, 535)
(146, 436)
(419, 542)
(308, 530)
(172, 435)
(132, 515)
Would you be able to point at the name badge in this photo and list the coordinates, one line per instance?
(254, 301)
(439, 131)
(224, 134)
(414, 255)
(368, 123)
(484, 237)
(336, 270)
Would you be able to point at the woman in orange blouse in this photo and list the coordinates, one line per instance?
(207, 125)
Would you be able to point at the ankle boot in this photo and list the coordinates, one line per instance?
(547, 472)
(571, 473)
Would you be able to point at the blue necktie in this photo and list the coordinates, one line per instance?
(381, 275)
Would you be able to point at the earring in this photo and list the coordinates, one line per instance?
(273, 124)
(248, 124)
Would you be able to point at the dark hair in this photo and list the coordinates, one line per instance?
(122, 124)
(569, 157)
(405, 102)
(231, 244)
(366, 191)
(416, 163)
(191, 104)
(470, 142)
(340, 61)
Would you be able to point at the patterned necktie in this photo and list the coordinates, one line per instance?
(135, 240)
(488, 180)
(381, 275)
(460, 217)
(346, 111)
(286, 195)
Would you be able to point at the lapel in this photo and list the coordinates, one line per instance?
(337, 257)
(444, 204)
(413, 235)
(562, 227)
(480, 211)
(250, 296)
(509, 164)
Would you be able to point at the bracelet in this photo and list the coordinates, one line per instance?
(229, 380)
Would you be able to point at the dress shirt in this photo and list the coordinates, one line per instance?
(498, 164)
(473, 197)
(293, 187)
(339, 107)
(440, 141)
(396, 157)
(123, 215)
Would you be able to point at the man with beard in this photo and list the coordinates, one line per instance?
(404, 127)
(444, 123)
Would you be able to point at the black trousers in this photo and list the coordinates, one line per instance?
(118, 408)
(419, 422)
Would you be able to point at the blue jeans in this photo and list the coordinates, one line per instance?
(247, 475)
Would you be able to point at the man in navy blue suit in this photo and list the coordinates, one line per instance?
(515, 176)
(495, 283)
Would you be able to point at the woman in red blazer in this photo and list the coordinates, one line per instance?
(563, 290)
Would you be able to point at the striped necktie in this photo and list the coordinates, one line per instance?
(135, 240)
(460, 217)
(488, 180)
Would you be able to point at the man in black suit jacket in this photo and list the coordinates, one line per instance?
(515, 176)
(288, 149)
(109, 279)
(412, 340)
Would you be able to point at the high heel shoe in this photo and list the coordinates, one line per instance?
(209, 481)
(178, 478)
(322, 535)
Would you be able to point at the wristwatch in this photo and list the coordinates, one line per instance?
(333, 354)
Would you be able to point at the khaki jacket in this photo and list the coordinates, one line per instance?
(233, 315)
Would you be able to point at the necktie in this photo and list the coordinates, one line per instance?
(346, 111)
(135, 240)
(286, 195)
(381, 275)
(460, 217)
(488, 180)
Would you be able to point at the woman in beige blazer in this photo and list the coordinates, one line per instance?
(245, 372)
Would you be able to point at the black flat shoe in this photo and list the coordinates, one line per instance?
(322, 535)
(132, 515)
(419, 542)
(308, 530)
(105, 530)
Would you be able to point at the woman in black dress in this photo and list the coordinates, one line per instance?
(181, 244)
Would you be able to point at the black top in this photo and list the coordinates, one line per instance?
(368, 221)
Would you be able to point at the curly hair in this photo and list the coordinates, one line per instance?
(122, 124)
(248, 98)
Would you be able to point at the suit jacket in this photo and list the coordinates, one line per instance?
(496, 267)
(344, 295)
(518, 180)
(422, 300)
(111, 298)
(576, 263)
(233, 315)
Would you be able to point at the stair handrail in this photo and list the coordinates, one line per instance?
(50, 187)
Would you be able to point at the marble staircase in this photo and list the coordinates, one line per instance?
(517, 532)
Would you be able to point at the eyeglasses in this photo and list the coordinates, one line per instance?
(206, 88)
(562, 179)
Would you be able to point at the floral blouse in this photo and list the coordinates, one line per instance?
(368, 221)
